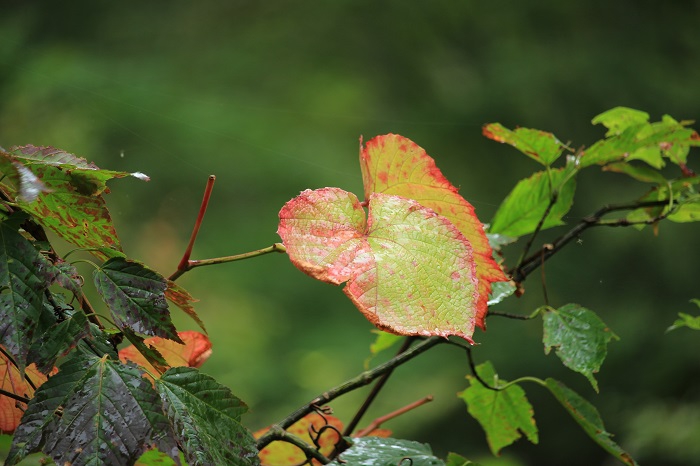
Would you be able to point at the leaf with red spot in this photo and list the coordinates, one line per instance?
(393, 164)
(540, 146)
(281, 453)
(408, 270)
(195, 350)
(12, 381)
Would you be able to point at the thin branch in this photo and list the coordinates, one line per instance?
(277, 433)
(536, 259)
(277, 247)
(375, 391)
(14, 396)
(377, 423)
(552, 201)
(508, 315)
(361, 380)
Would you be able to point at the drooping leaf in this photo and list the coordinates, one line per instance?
(24, 276)
(541, 146)
(279, 453)
(108, 415)
(150, 359)
(392, 164)
(686, 320)
(587, 416)
(579, 337)
(182, 299)
(195, 350)
(12, 381)
(206, 419)
(638, 172)
(524, 207)
(408, 270)
(377, 451)
(505, 415)
(136, 297)
(58, 340)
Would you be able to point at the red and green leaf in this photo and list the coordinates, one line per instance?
(541, 146)
(393, 164)
(408, 270)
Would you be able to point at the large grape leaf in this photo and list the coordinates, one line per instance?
(393, 164)
(109, 414)
(325, 430)
(408, 270)
(587, 416)
(206, 418)
(195, 349)
(377, 451)
(540, 146)
(505, 414)
(136, 297)
(524, 207)
(579, 337)
(24, 276)
(12, 381)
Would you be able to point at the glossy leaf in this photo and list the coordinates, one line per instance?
(195, 349)
(58, 340)
(505, 415)
(408, 270)
(109, 415)
(587, 416)
(12, 381)
(280, 453)
(205, 417)
(377, 451)
(579, 338)
(182, 299)
(541, 146)
(392, 164)
(24, 276)
(136, 297)
(524, 207)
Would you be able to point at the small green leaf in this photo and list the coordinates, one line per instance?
(579, 337)
(453, 459)
(527, 203)
(619, 119)
(136, 297)
(587, 416)
(384, 341)
(505, 415)
(686, 212)
(206, 419)
(540, 146)
(24, 276)
(500, 291)
(638, 172)
(379, 451)
(686, 320)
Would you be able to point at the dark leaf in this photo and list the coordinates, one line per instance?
(587, 416)
(136, 297)
(378, 451)
(24, 276)
(149, 352)
(58, 340)
(206, 416)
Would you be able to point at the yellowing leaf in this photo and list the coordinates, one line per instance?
(193, 353)
(408, 270)
(281, 453)
(393, 164)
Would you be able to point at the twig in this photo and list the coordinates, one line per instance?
(14, 396)
(552, 201)
(277, 433)
(361, 380)
(376, 424)
(508, 315)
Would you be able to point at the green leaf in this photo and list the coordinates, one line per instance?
(58, 340)
(383, 342)
(158, 458)
(686, 320)
(527, 203)
(541, 146)
(378, 451)
(206, 419)
(579, 337)
(136, 297)
(686, 212)
(619, 119)
(587, 416)
(453, 459)
(408, 270)
(505, 414)
(109, 414)
(24, 276)
(149, 352)
(638, 172)
(500, 291)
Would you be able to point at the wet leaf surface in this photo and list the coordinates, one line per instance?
(377, 451)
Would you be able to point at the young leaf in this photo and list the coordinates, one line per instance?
(24, 276)
(522, 210)
(136, 297)
(541, 146)
(453, 459)
(109, 415)
(392, 164)
(505, 415)
(206, 419)
(12, 381)
(195, 350)
(579, 337)
(377, 451)
(619, 119)
(686, 320)
(383, 342)
(587, 416)
(408, 270)
(280, 453)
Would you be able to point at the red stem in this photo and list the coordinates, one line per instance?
(184, 262)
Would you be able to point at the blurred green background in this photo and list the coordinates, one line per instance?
(272, 97)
